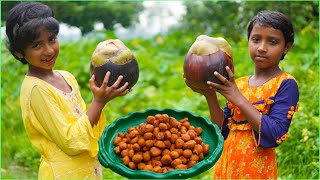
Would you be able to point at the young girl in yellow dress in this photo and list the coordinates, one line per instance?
(55, 116)
(260, 107)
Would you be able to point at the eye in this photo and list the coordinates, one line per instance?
(35, 45)
(53, 38)
(273, 42)
(255, 39)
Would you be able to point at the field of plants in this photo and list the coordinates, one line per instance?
(161, 85)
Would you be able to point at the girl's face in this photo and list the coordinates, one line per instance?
(42, 53)
(266, 46)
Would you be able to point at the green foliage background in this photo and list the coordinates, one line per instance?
(161, 85)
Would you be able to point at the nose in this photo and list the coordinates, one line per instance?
(262, 47)
(48, 50)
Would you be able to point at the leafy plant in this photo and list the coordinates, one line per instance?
(161, 85)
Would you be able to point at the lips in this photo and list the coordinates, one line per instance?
(49, 61)
(260, 57)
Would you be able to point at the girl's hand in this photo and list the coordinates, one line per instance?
(205, 92)
(229, 88)
(105, 93)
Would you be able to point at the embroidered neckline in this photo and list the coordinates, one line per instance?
(265, 83)
(72, 90)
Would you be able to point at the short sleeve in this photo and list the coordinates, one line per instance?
(276, 124)
(47, 117)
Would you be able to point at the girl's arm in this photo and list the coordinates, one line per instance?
(216, 113)
(103, 95)
(231, 92)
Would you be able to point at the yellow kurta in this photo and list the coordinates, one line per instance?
(58, 127)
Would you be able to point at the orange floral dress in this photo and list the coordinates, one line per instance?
(248, 154)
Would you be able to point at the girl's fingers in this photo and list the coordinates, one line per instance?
(117, 83)
(124, 87)
(105, 80)
(221, 78)
(92, 83)
(125, 92)
(214, 86)
(230, 73)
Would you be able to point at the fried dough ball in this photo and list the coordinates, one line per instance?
(157, 169)
(117, 140)
(155, 163)
(141, 166)
(201, 156)
(163, 126)
(130, 153)
(189, 145)
(198, 149)
(148, 136)
(117, 150)
(180, 151)
(167, 144)
(187, 153)
(149, 143)
(149, 128)
(206, 149)
(141, 141)
(159, 144)
(184, 160)
(160, 136)
(174, 130)
(121, 135)
(174, 123)
(166, 159)
(137, 158)
(150, 119)
(179, 143)
(191, 163)
(126, 160)
(146, 156)
(194, 157)
(122, 145)
(165, 151)
(192, 133)
(133, 133)
(132, 165)
(176, 162)
(174, 138)
(174, 154)
(156, 131)
(186, 137)
(165, 118)
(134, 140)
(148, 167)
(155, 151)
(167, 134)
(125, 152)
(198, 130)
(198, 140)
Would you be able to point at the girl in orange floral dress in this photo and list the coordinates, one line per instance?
(260, 107)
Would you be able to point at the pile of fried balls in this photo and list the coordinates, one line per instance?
(161, 144)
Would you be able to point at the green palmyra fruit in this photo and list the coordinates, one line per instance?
(206, 55)
(112, 55)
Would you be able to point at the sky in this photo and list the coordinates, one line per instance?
(157, 17)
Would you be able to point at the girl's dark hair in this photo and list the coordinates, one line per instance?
(276, 20)
(23, 22)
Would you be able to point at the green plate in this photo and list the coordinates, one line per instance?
(109, 159)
